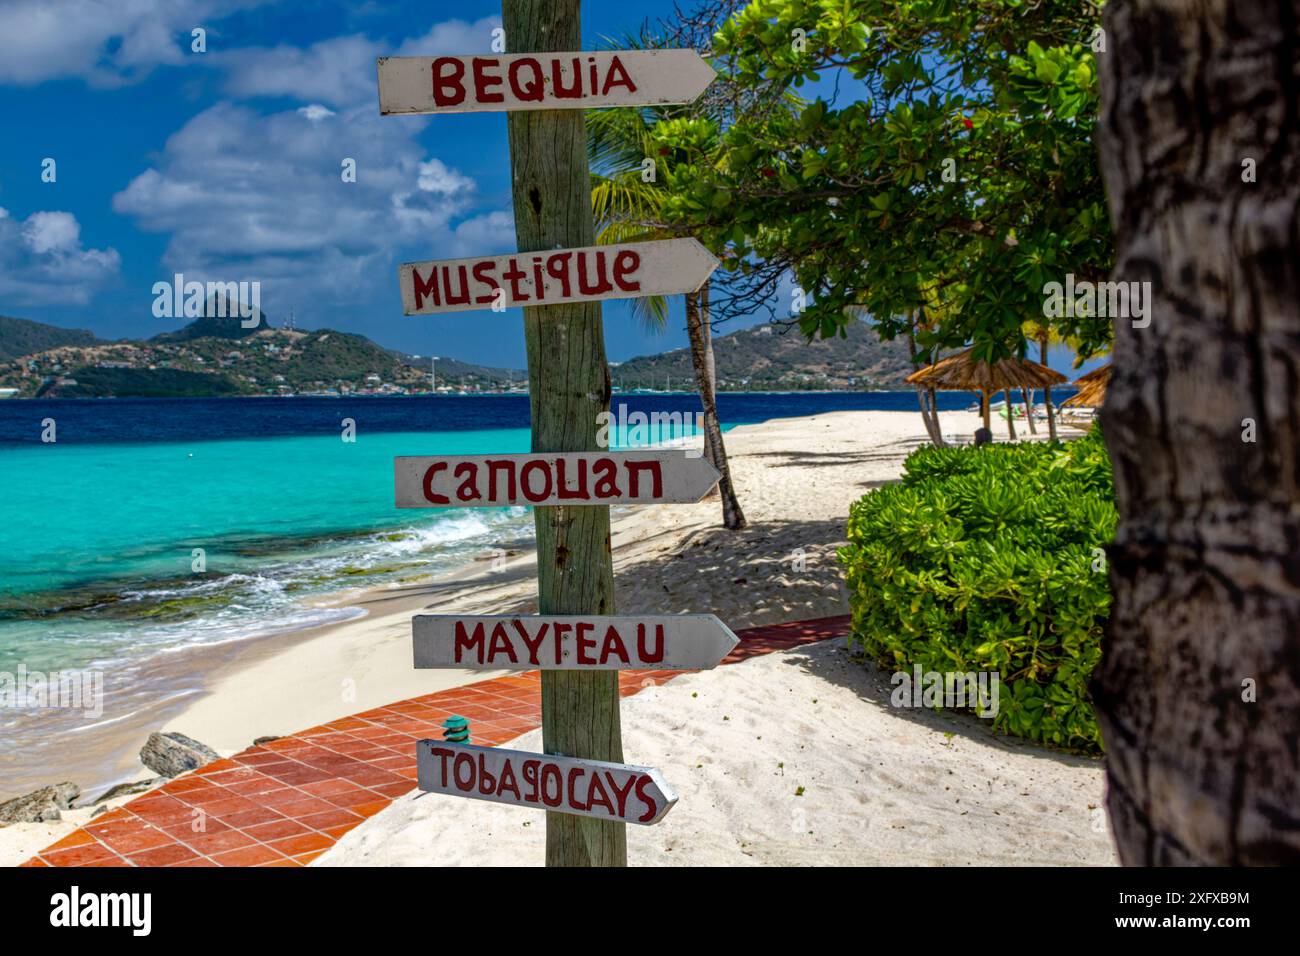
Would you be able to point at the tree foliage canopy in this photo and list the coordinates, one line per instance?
(957, 181)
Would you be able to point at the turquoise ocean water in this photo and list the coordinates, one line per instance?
(99, 531)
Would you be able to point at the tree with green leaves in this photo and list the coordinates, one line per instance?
(627, 198)
(953, 174)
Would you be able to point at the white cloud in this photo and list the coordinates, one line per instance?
(341, 70)
(105, 43)
(316, 112)
(246, 196)
(435, 177)
(488, 234)
(42, 260)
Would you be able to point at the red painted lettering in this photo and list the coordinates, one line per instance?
(607, 486)
(598, 795)
(508, 781)
(557, 267)
(425, 288)
(644, 653)
(447, 88)
(626, 263)
(501, 645)
(467, 472)
(531, 778)
(461, 298)
(526, 486)
(561, 484)
(583, 642)
(429, 494)
(571, 796)
(482, 274)
(442, 753)
(467, 642)
(466, 762)
(533, 90)
(620, 794)
(487, 784)
(560, 91)
(643, 782)
(656, 478)
(613, 646)
(551, 774)
(483, 80)
(533, 643)
(507, 466)
(617, 76)
(602, 284)
(512, 275)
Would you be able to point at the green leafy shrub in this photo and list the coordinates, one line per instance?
(982, 559)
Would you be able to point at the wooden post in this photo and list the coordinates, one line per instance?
(569, 386)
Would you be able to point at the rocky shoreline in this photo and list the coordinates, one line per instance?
(165, 754)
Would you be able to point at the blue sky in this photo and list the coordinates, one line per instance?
(225, 165)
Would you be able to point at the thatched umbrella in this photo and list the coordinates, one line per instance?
(962, 373)
(1092, 388)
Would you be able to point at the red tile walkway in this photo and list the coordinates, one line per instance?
(286, 802)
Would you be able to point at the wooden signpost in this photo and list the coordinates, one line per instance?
(540, 81)
(591, 274)
(570, 642)
(571, 478)
(559, 276)
(589, 788)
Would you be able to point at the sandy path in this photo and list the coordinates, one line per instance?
(794, 758)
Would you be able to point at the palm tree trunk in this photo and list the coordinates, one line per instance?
(1028, 394)
(1198, 689)
(697, 328)
(925, 398)
(1047, 392)
(1011, 424)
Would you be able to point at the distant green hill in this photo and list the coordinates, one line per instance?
(93, 382)
(213, 325)
(768, 357)
(19, 337)
(452, 371)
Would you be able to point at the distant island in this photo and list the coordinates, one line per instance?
(773, 358)
(216, 355)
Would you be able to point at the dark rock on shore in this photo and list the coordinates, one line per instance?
(125, 789)
(172, 754)
(43, 805)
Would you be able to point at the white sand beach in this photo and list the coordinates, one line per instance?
(792, 759)
(795, 479)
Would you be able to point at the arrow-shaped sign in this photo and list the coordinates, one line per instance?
(592, 273)
(589, 788)
(571, 478)
(570, 642)
(540, 81)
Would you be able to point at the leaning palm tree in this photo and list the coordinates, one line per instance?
(1040, 331)
(627, 198)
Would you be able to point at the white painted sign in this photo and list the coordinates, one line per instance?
(589, 788)
(590, 274)
(571, 478)
(540, 81)
(570, 642)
